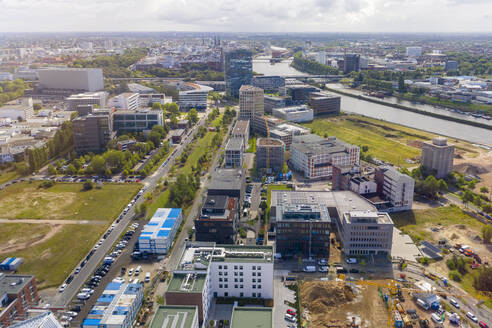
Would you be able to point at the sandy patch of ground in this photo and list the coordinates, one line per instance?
(480, 165)
(13, 245)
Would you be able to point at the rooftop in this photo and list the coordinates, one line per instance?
(323, 95)
(187, 282)
(247, 317)
(235, 144)
(269, 142)
(171, 316)
(13, 283)
(218, 207)
(312, 144)
(247, 87)
(161, 223)
(293, 109)
(226, 179)
(240, 127)
(367, 216)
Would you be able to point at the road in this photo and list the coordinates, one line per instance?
(63, 299)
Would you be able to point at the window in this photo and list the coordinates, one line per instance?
(220, 279)
(235, 279)
(259, 294)
(226, 286)
(241, 280)
(235, 267)
(241, 274)
(258, 267)
(220, 273)
(254, 286)
(254, 274)
(225, 273)
(259, 286)
(226, 294)
(254, 267)
(259, 280)
(254, 294)
(259, 274)
(225, 267)
(220, 267)
(241, 294)
(235, 286)
(254, 280)
(240, 267)
(241, 286)
(226, 279)
(235, 273)
(220, 285)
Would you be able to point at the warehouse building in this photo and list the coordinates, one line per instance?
(117, 307)
(84, 79)
(324, 103)
(270, 155)
(158, 234)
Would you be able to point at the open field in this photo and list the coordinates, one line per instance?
(50, 248)
(65, 201)
(389, 142)
(7, 175)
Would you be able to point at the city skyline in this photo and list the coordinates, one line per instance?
(411, 16)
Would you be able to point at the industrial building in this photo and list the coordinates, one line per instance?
(268, 83)
(395, 187)
(270, 155)
(83, 79)
(126, 101)
(241, 130)
(218, 220)
(324, 103)
(287, 131)
(117, 307)
(91, 133)
(21, 108)
(125, 121)
(18, 293)
(238, 70)
(175, 316)
(250, 102)
(192, 95)
(437, 156)
(297, 114)
(234, 151)
(158, 234)
(98, 99)
(206, 271)
(315, 157)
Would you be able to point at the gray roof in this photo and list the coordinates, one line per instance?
(227, 179)
(234, 144)
(313, 144)
(13, 283)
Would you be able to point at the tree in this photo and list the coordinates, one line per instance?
(172, 109)
(487, 234)
(192, 116)
(483, 281)
(98, 165)
(156, 105)
(71, 169)
(401, 84)
(87, 185)
(467, 196)
(365, 148)
(442, 185)
(263, 205)
(285, 168)
(155, 138)
(52, 170)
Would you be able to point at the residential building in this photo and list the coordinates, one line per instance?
(315, 157)
(158, 234)
(126, 101)
(286, 131)
(298, 114)
(192, 95)
(324, 103)
(271, 102)
(268, 83)
(136, 121)
(218, 220)
(234, 153)
(175, 316)
(98, 99)
(21, 108)
(270, 155)
(414, 51)
(248, 316)
(395, 187)
(241, 130)
(18, 293)
(206, 271)
(437, 156)
(366, 233)
(148, 99)
(351, 63)
(362, 185)
(85, 79)
(117, 307)
(228, 182)
(238, 68)
(91, 133)
(250, 102)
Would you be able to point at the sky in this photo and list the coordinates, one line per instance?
(246, 15)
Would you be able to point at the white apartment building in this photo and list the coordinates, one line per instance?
(314, 156)
(251, 102)
(297, 114)
(366, 233)
(192, 95)
(396, 187)
(126, 101)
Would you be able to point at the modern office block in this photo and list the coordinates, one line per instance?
(192, 95)
(234, 153)
(158, 234)
(218, 220)
(324, 103)
(91, 133)
(126, 101)
(98, 99)
(250, 102)
(298, 114)
(125, 121)
(241, 130)
(351, 63)
(437, 156)
(238, 67)
(268, 83)
(271, 102)
(86, 79)
(270, 154)
(396, 187)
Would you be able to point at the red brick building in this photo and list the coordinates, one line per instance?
(17, 294)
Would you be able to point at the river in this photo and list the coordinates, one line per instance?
(262, 65)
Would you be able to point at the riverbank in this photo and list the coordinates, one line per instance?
(410, 109)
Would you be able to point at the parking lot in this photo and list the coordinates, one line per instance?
(282, 296)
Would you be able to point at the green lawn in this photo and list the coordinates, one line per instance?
(15, 233)
(7, 175)
(65, 201)
(416, 222)
(252, 145)
(386, 141)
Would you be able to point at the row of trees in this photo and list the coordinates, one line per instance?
(470, 64)
(11, 90)
(426, 183)
(187, 73)
(306, 65)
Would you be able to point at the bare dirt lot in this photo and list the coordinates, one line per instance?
(331, 304)
(480, 165)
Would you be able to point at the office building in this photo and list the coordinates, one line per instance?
(241, 130)
(268, 83)
(395, 187)
(192, 95)
(299, 93)
(18, 293)
(297, 114)
(127, 121)
(21, 108)
(91, 133)
(270, 155)
(287, 131)
(271, 102)
(324, 103)
(84, 79)
(139, 88)
(97, 99)
(6, 76)
(259, 124)
(117, 307)
(351, 63)
(218, 220)
(228, 182)
(437, 157)
(414, 51)
(366, 233)
(206, 271)
(249, 316)
(451, 65)
(125, 101)
(175, 316)
(158, 234)
(148, 99)
(234, 153)
(362, 185)
(250, 102)
(238, 68)
(45, 319)
(315, 157)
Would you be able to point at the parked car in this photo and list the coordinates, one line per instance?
(351, 260)
(62, 288)
(290, 317)
(323, 268)
(291, 312)
(83, 296)
(454, 303)
(471, 316)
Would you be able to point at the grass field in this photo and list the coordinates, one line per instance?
(7, 175)
(251, 145)
(64, 201)
(14, 233)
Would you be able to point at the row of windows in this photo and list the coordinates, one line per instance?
(226, 294)
(240, 267)
(368, 239)
(366, 245)
(238, 286)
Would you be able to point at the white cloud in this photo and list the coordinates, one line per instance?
(247, 15)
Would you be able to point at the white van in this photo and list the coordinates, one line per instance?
(147, 277)
(422, 304)
(309, 268)
(137, 271)
(436, 317)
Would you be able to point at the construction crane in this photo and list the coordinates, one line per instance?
(268, 143)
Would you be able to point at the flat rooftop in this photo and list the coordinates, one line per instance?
(234, 144)
(227, 179)
(321, 95)
(13, 283)
(170, 316)
(252, 317)
(313, 144)
(269, 142)
(240, 127)
(187, 282)
(368, 216)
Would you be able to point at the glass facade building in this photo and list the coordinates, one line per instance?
(238, 65)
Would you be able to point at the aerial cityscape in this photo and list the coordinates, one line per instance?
(217, 164)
